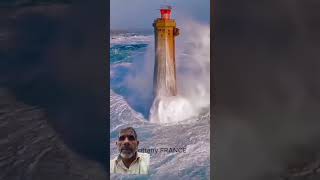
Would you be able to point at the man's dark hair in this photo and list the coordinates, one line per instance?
(127, 129)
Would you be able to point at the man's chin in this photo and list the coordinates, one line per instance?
(126, 155)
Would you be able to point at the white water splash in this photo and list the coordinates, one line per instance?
(193, 77)
(171, 110)
(127, 38)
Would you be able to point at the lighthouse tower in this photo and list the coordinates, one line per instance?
(165, 65)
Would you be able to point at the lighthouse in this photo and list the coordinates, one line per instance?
(165, 31)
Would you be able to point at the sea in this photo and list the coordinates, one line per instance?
(131, 98)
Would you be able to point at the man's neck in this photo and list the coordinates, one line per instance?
(127, 162)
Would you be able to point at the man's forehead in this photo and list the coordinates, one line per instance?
(126, 132)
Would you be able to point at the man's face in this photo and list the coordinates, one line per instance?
(127, 144)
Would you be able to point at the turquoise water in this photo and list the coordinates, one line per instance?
(124, 51)
(121, 53)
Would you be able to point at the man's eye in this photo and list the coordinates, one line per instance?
(131, 138)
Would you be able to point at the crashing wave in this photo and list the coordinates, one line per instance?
(130, 38)
(121, 113)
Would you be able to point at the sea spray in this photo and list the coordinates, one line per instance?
(193, 64)
(193, 77)
(171, 109)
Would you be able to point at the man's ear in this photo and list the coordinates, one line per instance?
(137, 143)
(116, 143)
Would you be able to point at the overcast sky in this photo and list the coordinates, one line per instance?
(139, 14)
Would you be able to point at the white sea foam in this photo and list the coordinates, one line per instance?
(127, 39)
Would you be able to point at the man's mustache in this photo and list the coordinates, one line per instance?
(126, 149)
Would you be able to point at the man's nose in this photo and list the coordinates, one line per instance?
(126, 140)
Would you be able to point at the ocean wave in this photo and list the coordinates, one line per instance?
(123, 52)
(121, 113)
(194, 136)
(130, 38)
(192, 132)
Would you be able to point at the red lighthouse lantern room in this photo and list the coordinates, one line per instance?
(165, 12)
